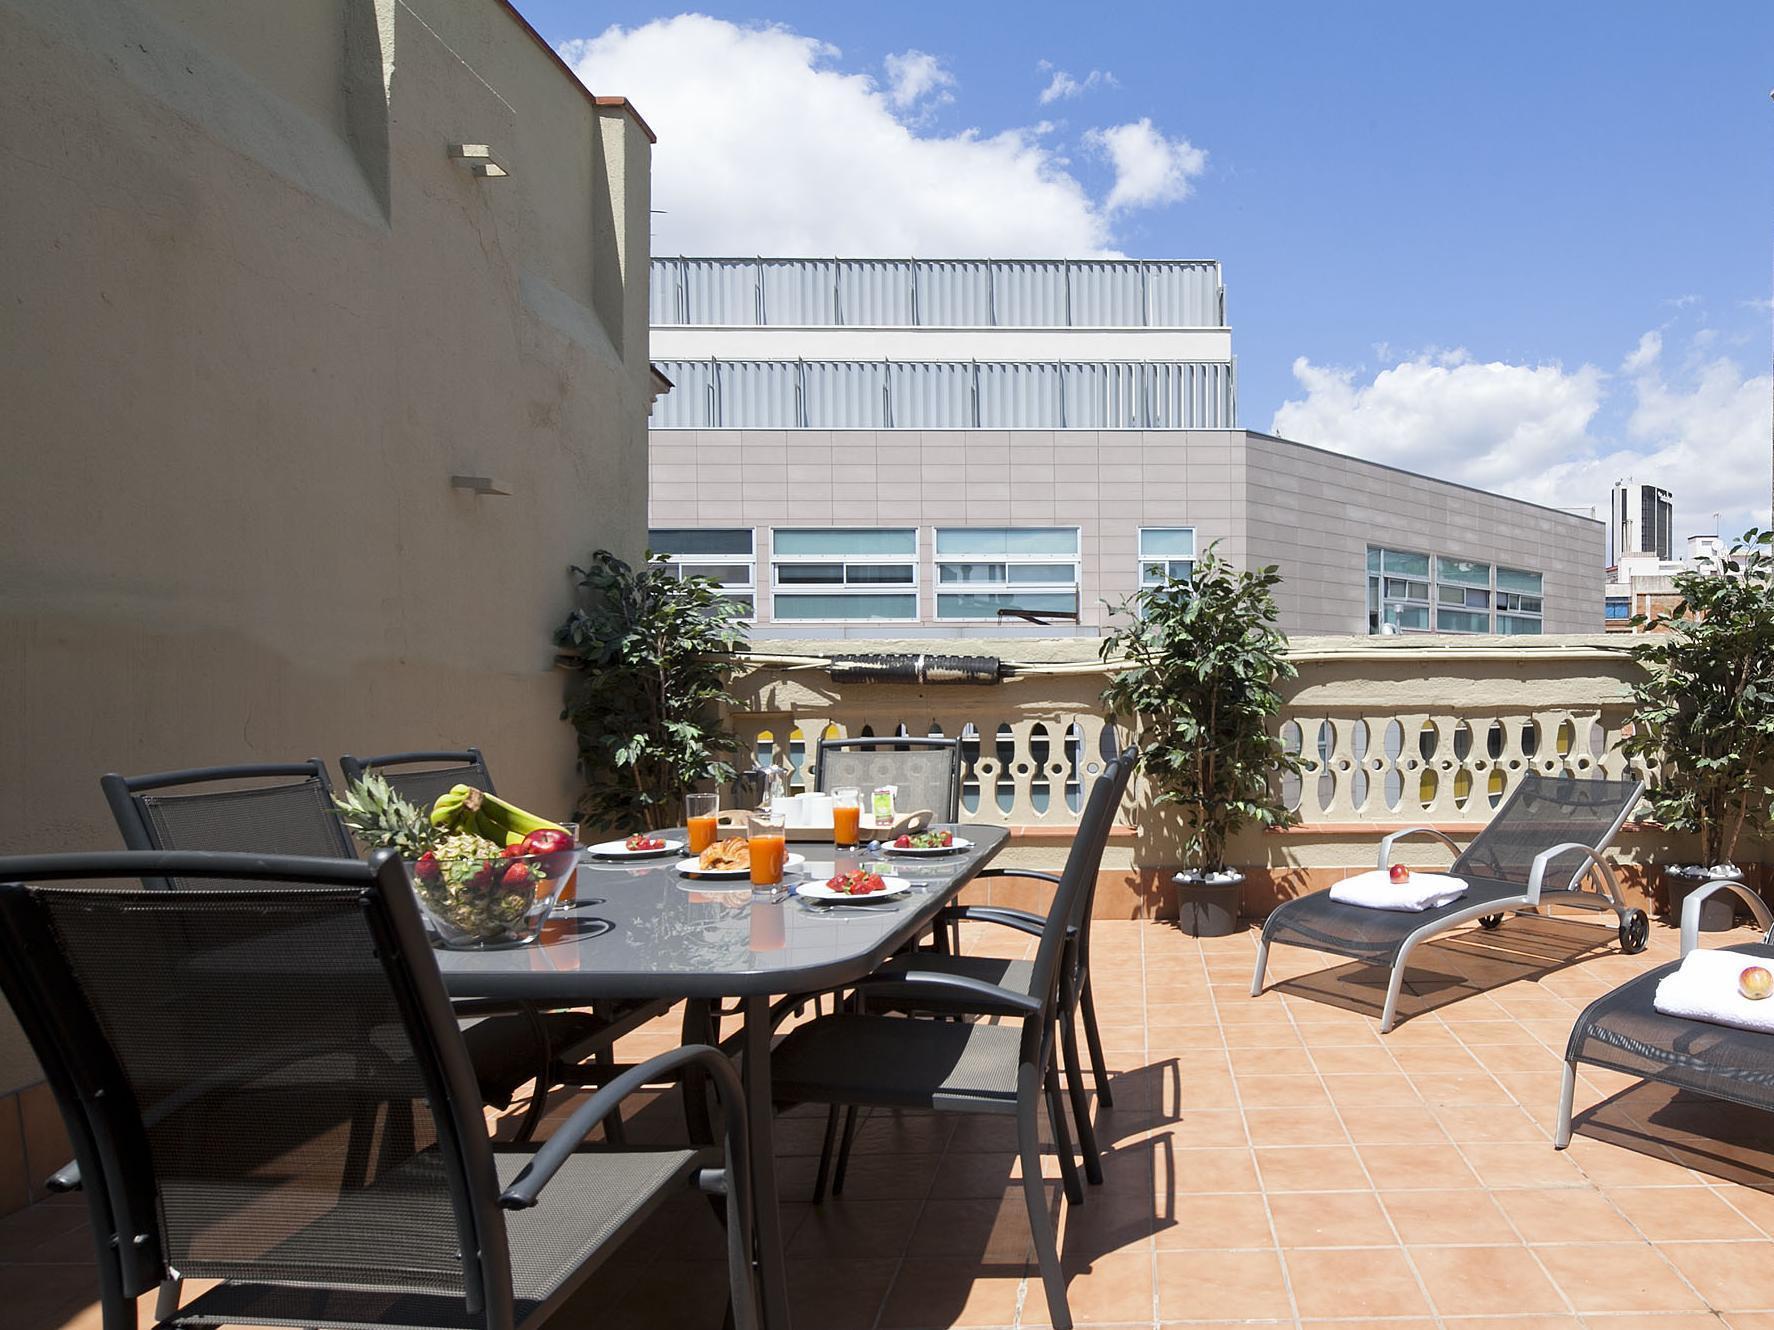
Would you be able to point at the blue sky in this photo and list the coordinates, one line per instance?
(1522, 245)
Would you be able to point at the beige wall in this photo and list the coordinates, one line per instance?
(252, 318)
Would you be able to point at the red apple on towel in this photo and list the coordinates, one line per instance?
(1399, 873)
(1756, 982)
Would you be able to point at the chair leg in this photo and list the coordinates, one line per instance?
(825, 1154)
(1394, 985)
(614, 1133)
(1062, 1140)
(1256, 979)
(1093, 1040)
(1561, 1136)
(1093, 1163)
(532, 1118)
(844, 1150)
(1028, 1135)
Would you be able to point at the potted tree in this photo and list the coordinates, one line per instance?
(652, 654)
(1704, 713)
(1200, 661)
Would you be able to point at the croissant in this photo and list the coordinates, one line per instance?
(732, 853)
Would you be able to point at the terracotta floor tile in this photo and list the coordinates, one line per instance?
(991, 1230)
(1564, 1214)
(1311, 1125)
(1426, 1218)
(1330, 1219)
(1485, 1281)
(1493, 1123)
(1206, 1170)
(1114, 1289)
(1394, 1126)
(837, 1295)
(842, 1227)
(1731, 1276)
(1285, 1168)
(1351, 1094)
(1359, 1281)
(1266, 1091)
(1681, 1214)
(1237, 1219)
(1618, 1278)
(1406, 1167)
(1511, 1164)
(1612, 1166)
(1221, 1286)
(1209, 1126)
(1353, 1060)
(1443, 1089)
(927, 1294)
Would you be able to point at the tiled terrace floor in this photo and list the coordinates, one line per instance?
(1270, 1161)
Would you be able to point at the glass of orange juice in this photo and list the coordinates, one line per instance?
(769, 847)
(699, 820)
(846, 816)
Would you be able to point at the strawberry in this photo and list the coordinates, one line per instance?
(515, 875)
(903, 843)
(426, 869)
(511, 852)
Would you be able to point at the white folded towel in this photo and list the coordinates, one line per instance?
(1704, 988)
(1375, 890)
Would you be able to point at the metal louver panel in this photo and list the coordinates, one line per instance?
(690, 403)
(934, 395)
(874, 292)
(759, 394)
(1106, 294)
(1182, 295)
(1104, 395)
(1029, 295)
(954, 293)
(1020, 395)
(664, 288)
(720, 291)
(844, 394)
(800, 293)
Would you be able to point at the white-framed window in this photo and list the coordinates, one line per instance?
(844, 573)
(1166, 552)
(1397, 590)
(1521, 605)
(727, 554)
(981, 570)
(1418, 593)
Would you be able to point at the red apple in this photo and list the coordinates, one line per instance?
(511, 852)
(1399, 873)
(1756, 982)
(547, 840)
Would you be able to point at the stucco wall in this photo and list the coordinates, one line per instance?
(252, 319)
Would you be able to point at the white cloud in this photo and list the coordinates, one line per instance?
(1150, 169)
(1532, 431)
(1063, 86)
(915, 75)
(768, 146)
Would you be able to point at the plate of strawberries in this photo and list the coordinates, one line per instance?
(641, 846)
(857, 884)
(928, 843)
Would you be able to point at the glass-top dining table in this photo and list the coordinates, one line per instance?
(641, 929)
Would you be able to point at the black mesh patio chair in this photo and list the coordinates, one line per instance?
(287, 808)
(927, 771)
(1538, 847)
(264, 1084)
(1624, 1032)
(420, 778)
(1002, 1067)
(1087, 853)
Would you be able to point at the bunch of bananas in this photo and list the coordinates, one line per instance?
(466, 810)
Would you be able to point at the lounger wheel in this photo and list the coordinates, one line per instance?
(1489, 922)
(1635, 931)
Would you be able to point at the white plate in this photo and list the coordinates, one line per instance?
(694, 868)
(618, 849)
(960, 843)
(820, 892)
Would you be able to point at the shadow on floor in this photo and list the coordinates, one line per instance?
(1459, 966)
(1711, 1136)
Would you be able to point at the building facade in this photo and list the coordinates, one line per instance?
(971, 447)
(1640, 521)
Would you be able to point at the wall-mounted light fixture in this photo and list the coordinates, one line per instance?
(477, 485)
(479, 157)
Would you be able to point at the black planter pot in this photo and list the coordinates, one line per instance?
(1718, 913)
(1208, 909)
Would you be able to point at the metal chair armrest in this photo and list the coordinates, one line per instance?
(1021, 920)
(1758, 908)
(1051, 879)
(1543, 860)
(526, 1189)
(64, 1179)
(1386, 844)
(953, 987)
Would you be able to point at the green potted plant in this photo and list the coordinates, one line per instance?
(1200, 663)
(652, 654)
(1704, 713)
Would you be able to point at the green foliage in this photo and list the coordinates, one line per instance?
(1203, 664)
(1705, 708)
(655, 655)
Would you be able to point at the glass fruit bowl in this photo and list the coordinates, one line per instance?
(490, 900)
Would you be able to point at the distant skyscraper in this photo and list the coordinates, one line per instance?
(1639, 520)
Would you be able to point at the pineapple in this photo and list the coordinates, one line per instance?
(380, 818)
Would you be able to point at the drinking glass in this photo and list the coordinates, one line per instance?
(846, 816)
(699, 820)
(768, 842)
